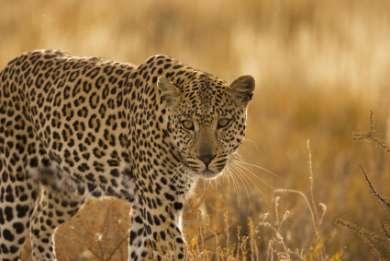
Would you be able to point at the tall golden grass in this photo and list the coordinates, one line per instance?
(320, 68)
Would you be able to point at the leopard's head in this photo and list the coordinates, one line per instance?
(207, 119)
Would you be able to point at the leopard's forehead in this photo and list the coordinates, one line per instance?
(206, 98)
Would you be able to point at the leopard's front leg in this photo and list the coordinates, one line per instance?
(155, 232)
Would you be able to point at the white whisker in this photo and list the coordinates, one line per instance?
(252, 174)
(241, 174)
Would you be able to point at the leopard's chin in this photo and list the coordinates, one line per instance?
(204, 173)
(209, 174)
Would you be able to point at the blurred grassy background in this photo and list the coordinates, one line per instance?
(320, 67)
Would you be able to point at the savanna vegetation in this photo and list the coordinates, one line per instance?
(311, 180)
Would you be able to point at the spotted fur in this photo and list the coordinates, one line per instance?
(72, 127)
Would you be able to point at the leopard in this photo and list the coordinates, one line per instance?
(74, 128)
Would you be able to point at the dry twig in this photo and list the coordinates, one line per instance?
(371, 135)
(377, 195)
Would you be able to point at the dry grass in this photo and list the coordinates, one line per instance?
(320, 67)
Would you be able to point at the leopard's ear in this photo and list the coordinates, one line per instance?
(169, 92)
(242, 89)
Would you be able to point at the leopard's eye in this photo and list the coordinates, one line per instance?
(223, 122)
(188, 125)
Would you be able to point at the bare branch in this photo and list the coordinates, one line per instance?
(381, 199)
(368, 237)
(371, 135)
(386, 230)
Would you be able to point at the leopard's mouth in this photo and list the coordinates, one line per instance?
(197, 168)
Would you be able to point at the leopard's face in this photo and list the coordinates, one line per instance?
(207, 121)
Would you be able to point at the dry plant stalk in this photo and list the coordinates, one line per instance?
(317, 212)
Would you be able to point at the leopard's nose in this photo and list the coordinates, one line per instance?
(206, 158)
